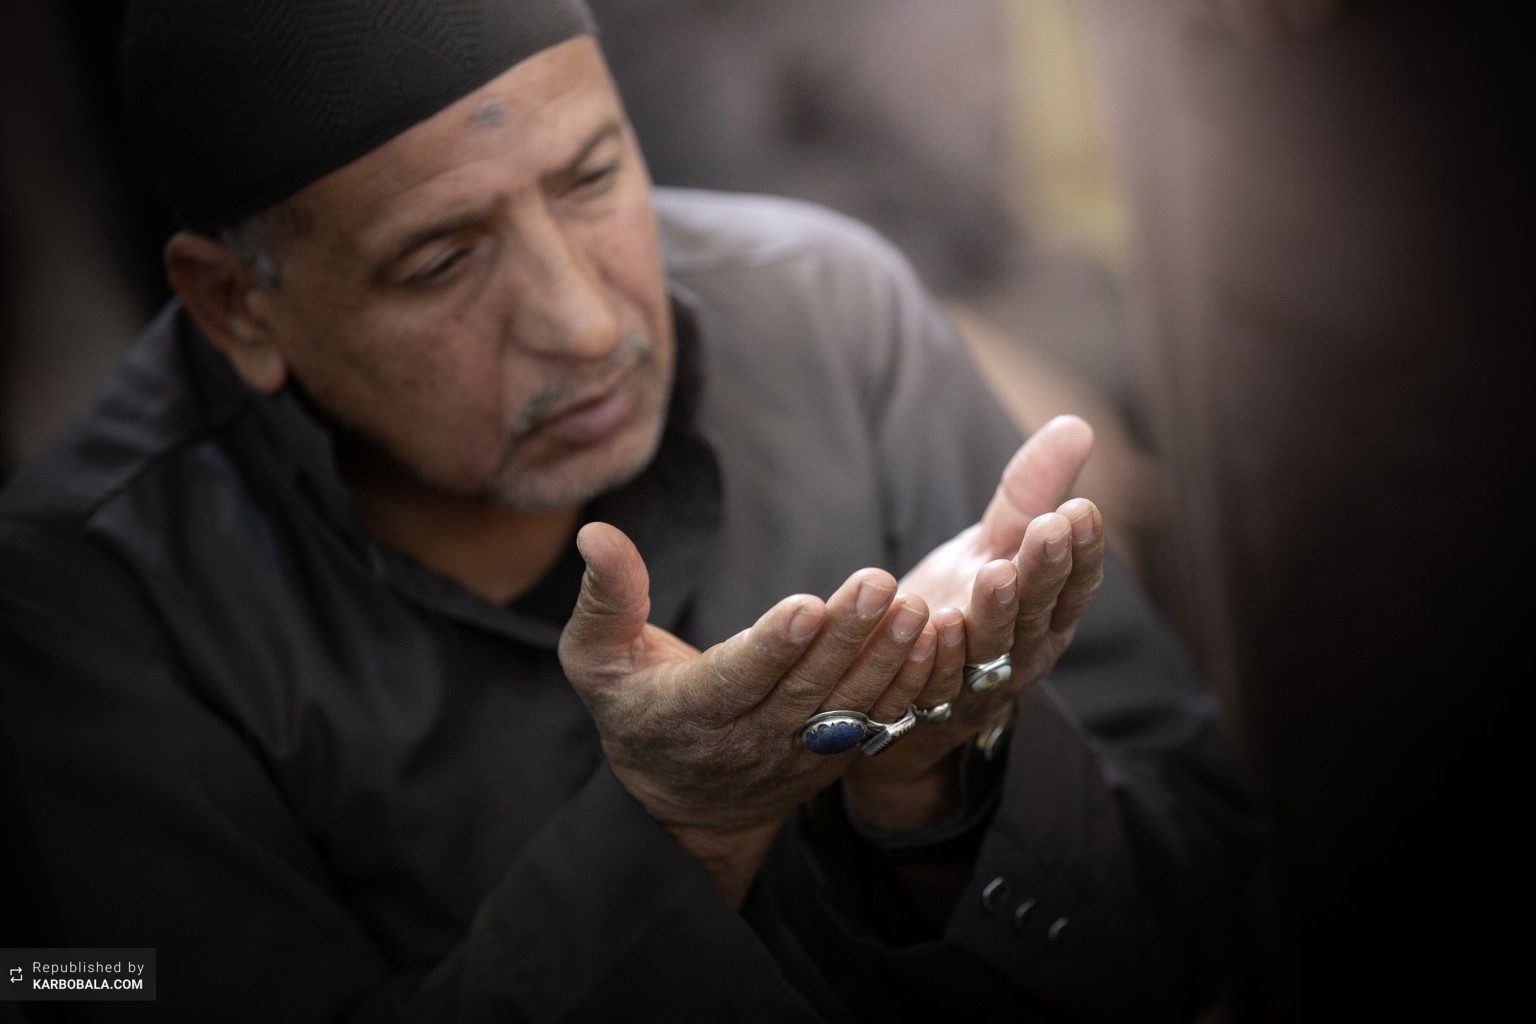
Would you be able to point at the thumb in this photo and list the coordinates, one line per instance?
(614, 603)
(1038, 478)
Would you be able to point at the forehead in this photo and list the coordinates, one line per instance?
(527, 122)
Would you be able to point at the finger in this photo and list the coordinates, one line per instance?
(910, 679)
(943, 682)
(745, 668)
(883, 658)
(1036, 480)
(1087, 564)
(1045, 560)
(853, 613)
(612, 607)
(990, 617)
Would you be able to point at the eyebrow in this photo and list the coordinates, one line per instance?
(468, 218)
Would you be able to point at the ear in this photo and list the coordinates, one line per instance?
(217, 290)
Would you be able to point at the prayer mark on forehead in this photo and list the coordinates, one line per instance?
(487, 115)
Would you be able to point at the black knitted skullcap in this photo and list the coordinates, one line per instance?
(238, 104)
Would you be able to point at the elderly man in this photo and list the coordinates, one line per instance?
(473, 596)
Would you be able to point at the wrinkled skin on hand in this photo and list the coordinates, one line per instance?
(706, 740)
(1022, 577)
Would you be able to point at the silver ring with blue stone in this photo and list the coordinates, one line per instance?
(835, 732)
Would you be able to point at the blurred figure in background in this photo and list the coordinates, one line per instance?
(1332, 213)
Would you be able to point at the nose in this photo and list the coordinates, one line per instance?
(564, 309)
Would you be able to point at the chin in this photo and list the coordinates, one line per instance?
(580, 478)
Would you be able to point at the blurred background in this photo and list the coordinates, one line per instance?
(1274, 250)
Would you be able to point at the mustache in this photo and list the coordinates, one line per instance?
(633, 349)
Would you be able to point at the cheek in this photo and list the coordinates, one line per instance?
(429, 382)
(632, 263)
(450, 348)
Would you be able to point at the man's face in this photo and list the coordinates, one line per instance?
(481, 301)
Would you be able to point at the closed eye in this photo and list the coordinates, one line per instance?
(596, 180)
(440, 269)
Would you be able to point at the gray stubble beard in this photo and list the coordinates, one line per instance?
(512, 491)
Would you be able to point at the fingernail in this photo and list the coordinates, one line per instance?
(1082, 527)
(872, 598)
(1056, 545)
(906, 622)
(803, 623)
(924, 646)
(1006, 592)
(954, 633)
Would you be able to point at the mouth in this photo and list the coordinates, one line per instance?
(592, 417)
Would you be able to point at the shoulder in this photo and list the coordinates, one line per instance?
(799, 287)
(144, 413)
(704, 232)
(89, 517)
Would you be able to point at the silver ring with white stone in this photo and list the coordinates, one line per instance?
(989, 674)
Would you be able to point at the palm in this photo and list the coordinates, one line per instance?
(1036, 481)
(943, 578)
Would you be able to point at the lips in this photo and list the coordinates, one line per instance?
(592, 419)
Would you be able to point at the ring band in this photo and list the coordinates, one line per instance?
(936, 714)
(890, 732)
(989, 674)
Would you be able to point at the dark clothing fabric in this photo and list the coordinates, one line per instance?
(326, 783)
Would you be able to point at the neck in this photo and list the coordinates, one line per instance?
(494, 551)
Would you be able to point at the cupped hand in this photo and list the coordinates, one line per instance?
(1016, 582)
(708, 741)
